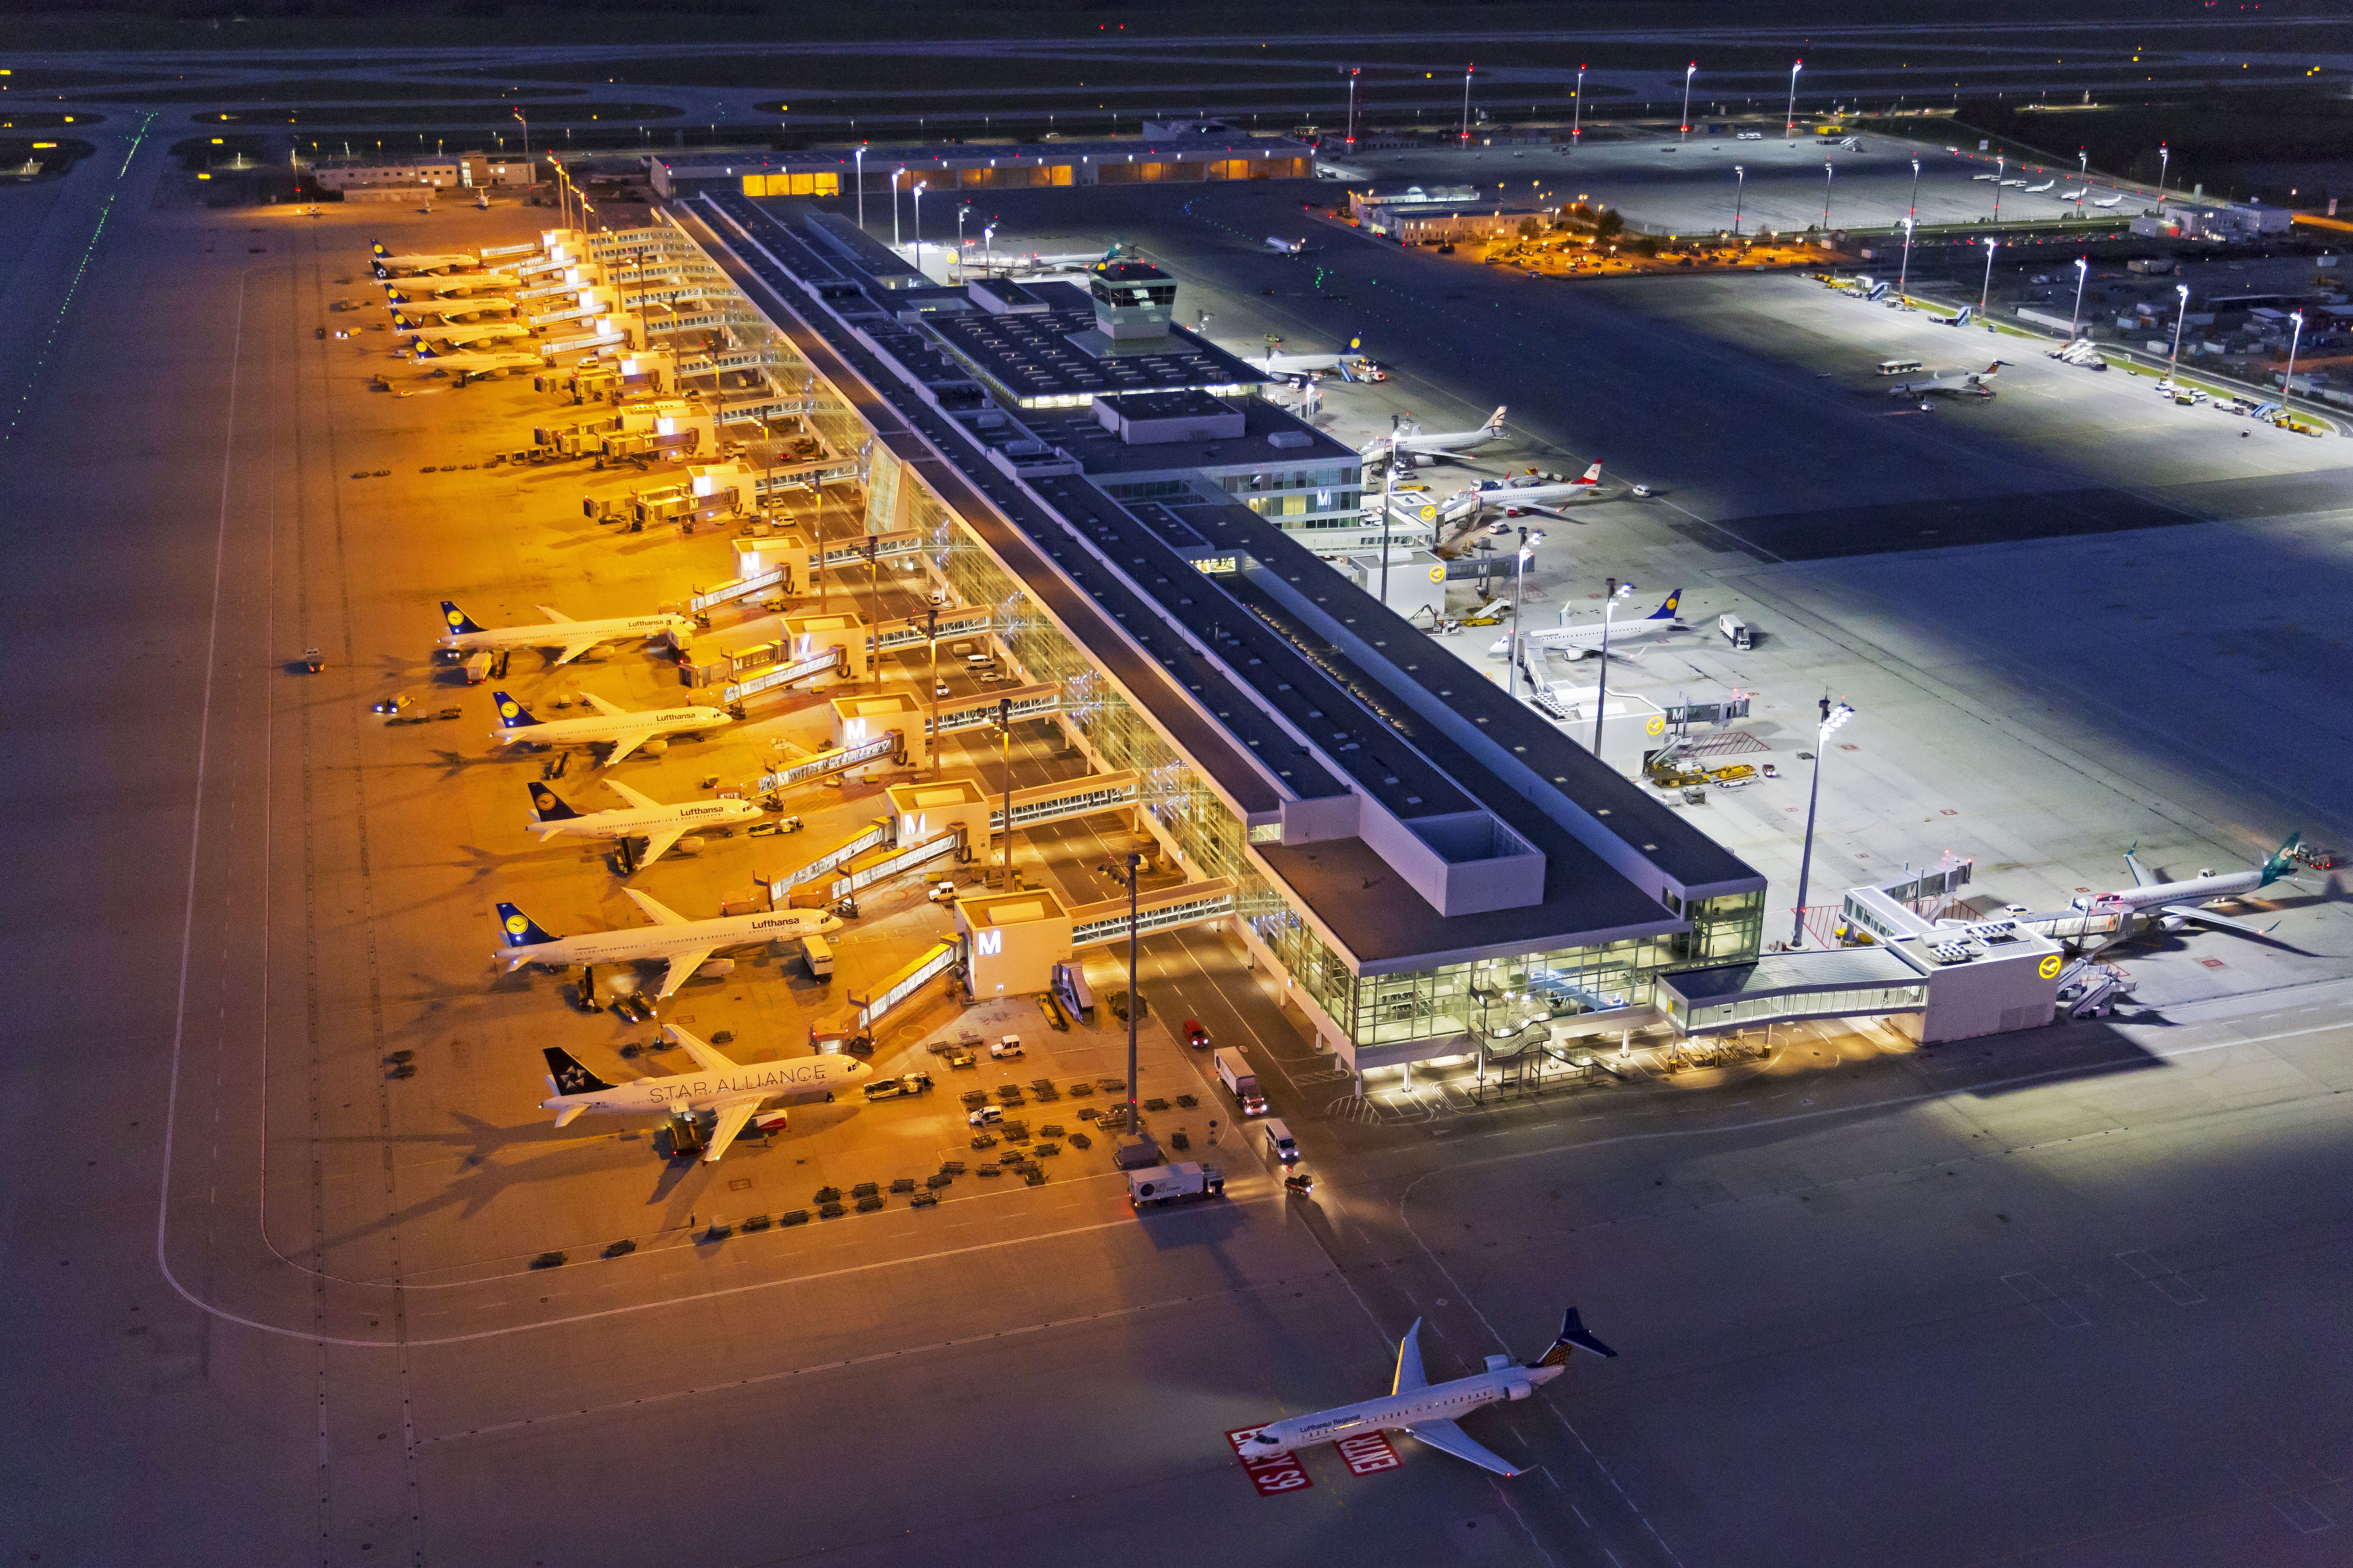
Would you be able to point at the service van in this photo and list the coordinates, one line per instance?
(1172, 1183)
(1235, 1073)
(1278, 1141)
(817, 953)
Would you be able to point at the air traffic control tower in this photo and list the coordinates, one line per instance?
(1420, 863)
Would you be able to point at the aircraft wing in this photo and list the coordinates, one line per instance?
(1409, 1375)
(637, 798)
(682, 969)
(1449, 1438)
(2220, 922)
(554, 616)
(625, 745)
(656, 842)
(573, 650)
(614, 710)
(662, 914)
(731, 1120)
(707, 1059)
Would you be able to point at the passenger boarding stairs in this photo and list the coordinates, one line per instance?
(2090, 989)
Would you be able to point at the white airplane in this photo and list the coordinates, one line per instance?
(1585, 637)
(1544, 494)
(2074, 196)
(1989, 179)
(1970, 385)
(2012, 185)
(683, 944)
(615, 726)
(1430, 1411)
(454, 333)
(2172, 905)
(574, 638)
(1415, 447)
(466, 365)
(454, 282)
(2112, 201)
(1283, 246)
(733, 1093)
(1348, 367)
(644, 817)
(384, 260)
(456, 305)
(2038, 190)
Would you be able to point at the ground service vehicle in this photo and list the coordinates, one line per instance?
(1278, 1141)
(1174, 1183)
(1734, 630)
(1234, 1072)
(817, 953)
(1195, 1036)
(905, 1084)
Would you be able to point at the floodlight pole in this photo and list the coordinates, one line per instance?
(1004, 728)
(1601, 691)
(1690, 71)
(1791, 128)
(1832, 719)
(1134, 865)
(858, 157)
(2287, 382)
(2075, 323)
(1577, 110)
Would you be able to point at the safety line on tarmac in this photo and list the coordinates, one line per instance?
(73, 287)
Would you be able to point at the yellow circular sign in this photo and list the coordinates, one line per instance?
(517, 924)
(456, 619)
(2050, 966)
(1657, 726)
(1438, 573)
(509, 710)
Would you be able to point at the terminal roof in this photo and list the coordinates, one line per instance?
(1036, 355)
(1100, 450)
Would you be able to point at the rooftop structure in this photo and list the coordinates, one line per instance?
(1180, 151)
(1407, 843)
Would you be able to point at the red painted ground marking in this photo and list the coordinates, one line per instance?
(1272, 1475)
(1369, 1453)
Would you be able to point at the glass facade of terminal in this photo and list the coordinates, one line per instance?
(1492, 996)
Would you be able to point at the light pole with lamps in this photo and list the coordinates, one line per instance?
(894, 204)
(1690, 71)
(2164, 162)
(1833, 718)
(1905, 272)
(1466, 102)
(920, 187)
(989, 246)
(1986, 292)
(1739, 194)
(857, 158)
(2001, 172)
(1791, 128)
(2181, 315)
(1354, 72)
(2287, 382)
(1134, 865)
(1005, 729)
(1601, 689)
(964, 211)
(2082, 270)
(1827, 172)
(1529, 540)
(1577, 110)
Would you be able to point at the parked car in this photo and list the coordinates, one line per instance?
(905, 1084)
(1007, 1048)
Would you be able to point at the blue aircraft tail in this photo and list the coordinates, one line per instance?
(1666, 612)
(568, 1075)
(456, 619)
(520, 929)
(378, 249)
(2283, 861)
(550, 806)
(1573, 1335)
(514, 715)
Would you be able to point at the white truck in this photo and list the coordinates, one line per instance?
(1235, 1073)
(1174, 1183)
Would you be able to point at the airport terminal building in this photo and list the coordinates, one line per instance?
(1425, 864)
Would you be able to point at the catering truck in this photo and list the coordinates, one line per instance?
(1175, 1184)
(1241, 1082)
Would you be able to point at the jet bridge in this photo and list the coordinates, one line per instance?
(825, 661)
(1162, 909)
(875, 854)
(1073, 797)
(852, 1028)
(975, 712)
(826, 763)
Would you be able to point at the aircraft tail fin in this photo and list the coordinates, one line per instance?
(1495, 420)
(549, 805)
(520, 929)
(514, 715)
(401, 324)
(1666, 612)
(427, 351)
(378, 249)
(2283, 861)
(1592, 475)
(569, 1076)
(457, 619)
(1573, 1335)
(394, 296)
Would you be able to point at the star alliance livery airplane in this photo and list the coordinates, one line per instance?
(682, 944)
(1427, 1410)
(732, 1093)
